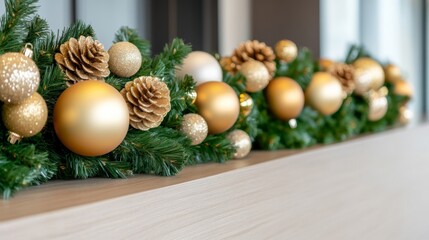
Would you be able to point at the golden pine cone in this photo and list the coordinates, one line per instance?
(148, 100)
(83, 59)
(253, 50)
(345, 73)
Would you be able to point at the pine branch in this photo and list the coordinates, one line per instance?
(215, 148)
(236, 81)
(126, 34)
(37, 30)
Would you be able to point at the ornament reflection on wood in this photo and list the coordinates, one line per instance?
(246, 104)
(285, 98)
(392, 72)
(377, 103)
(91, 118)
(202, 66)
(257, 75)
(25, 119)
(286, 50)
(218, 104)
(19, 76)
(369, 75)
(125, 59)
(194, 127)
(241, 141)
(325, 93)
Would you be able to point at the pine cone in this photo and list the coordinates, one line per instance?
(253, 50)
(83, 59)
(148, 100)
(345, 74)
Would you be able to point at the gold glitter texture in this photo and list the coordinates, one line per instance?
(257, 75)
(194, 127)
(125, 59)
(241, 141)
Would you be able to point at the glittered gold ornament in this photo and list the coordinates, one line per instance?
(285, 98)
(325, 93)
(377, 103)
(405, 115)
(194, 127)
(246, 104)
(91, 118)
(241, 141)
(125, 59)
(218, 104)
(257, 75)
(392, 72)
(369, 75)
(286, 50)
(19, 76)
(403, 88)
(202, 66)
(25, 119)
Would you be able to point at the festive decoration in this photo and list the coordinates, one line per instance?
(241, 141)
(392, 72)
(369, 75)
(403, 88)
(246, 104)
(286, 50)
(83, 59)
(345, 74)
(191, 96)
(285, 98)
(377, 104)
(326, 64)
(19, 76)
(218, 104)
(257, 76)
(202, 66)
(91, 118)
(405, 115)
(125, 59)
(324, 93)
(25, 119)
(194, 127)
(148, 100)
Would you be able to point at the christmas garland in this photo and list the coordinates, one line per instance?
(121, 112)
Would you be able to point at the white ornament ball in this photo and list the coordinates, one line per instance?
(202, 66)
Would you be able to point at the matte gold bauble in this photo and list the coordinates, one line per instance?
(202, 66)
(125, 59)
(377, 106)
(91, 118)
(246, 104)
(25, 119)
(369, 75)
(392, 72)
(19, 77)
(324, 93)
(257, 75)
(218, 103)
(403, 88)
(241, 141)
(194, 127)
(286, 50)
(326, 64)
(285, 98)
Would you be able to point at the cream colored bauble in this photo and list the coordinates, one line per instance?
(325, 93)
(202, 66)
(369, 75)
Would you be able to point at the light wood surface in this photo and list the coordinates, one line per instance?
(375, 187)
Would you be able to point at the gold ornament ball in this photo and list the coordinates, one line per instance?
(392, 72)
(246, 104)
(241, 141)
(257, 75)
(218, 104)
(403, 88)
(191, 96)
(377, 108)
(285, 98)
(324, 93)
(194, 127)
(25, 119)
(286, 50)
(369, 75)
(19, 77)
(91, 118)
(405, 115)
(325, 64)
(202, 66)
(125, 59)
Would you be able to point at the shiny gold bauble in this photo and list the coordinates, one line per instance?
(286, 50)
(325, 64)
(377, 107)
(403, 88)
(202, 66)
(194, 127)
(218, 103)
(191, 96)
(246, 104)
(241, 141)
(25, 119)
(285, 98)
(392, 72)
(324, 93)
(257, 75)
(369, 75)
(125, 59)
(19, 77)
(91, 118)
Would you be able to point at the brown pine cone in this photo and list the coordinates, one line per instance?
(83, 59)
(345, 74)
(148, 100)
(253, 50)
